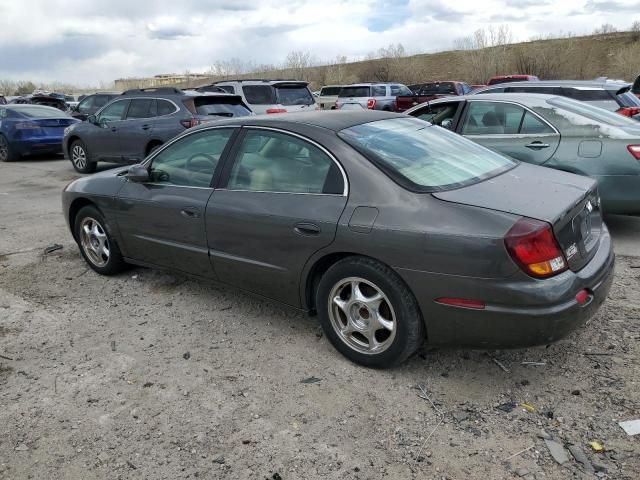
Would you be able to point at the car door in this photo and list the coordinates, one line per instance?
(510, 129)
(280, 200)
(162, 221)
(103, 142)
(136, 131)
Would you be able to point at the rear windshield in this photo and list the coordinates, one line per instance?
(294, 95)
(40, 112)
(628, 99)
(594, 113)
(438, 89)
(330, 91)
(422, 157)
(355, 92)
(220, 107)
(259, 94)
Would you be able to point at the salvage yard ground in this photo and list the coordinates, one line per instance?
(155, 375)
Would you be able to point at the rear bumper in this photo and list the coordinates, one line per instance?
(519, 312)
(37, 146)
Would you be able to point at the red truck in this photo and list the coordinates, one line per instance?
(425, 92)
(511, 78)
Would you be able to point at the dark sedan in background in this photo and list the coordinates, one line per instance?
(391, 229)
(31, 129)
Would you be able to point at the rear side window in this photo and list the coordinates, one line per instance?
(275, 162)
(488, 118)
(165, 107)
(330, 91)
(532, 125)
(379, 91)
(424, 158)
(142, 108)
(219, 107)
(259, 94)
(227, 88)
(355, 92)
(298, 95)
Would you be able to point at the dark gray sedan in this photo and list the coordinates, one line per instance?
(391, 229)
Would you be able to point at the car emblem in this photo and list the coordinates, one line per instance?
(589, 206)
(571, 251)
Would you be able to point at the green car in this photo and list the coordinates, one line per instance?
(552, 131)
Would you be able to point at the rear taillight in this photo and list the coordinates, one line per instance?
(192, 122)
(532, 245)
(628, 111)
(276, 110)
(371, 103)
(634, 150)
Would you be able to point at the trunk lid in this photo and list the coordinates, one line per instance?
(569, 203)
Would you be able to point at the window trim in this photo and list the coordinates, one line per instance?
(234, 157)
(221, 162)
(507, 135)
(97, 114)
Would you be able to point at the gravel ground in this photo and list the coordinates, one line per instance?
(154, 375)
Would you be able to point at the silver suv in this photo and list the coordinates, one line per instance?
(272, 96)
(372, 96)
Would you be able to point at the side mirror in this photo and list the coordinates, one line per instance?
(138, 173)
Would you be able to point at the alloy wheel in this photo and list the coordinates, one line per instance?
(79, 157)
(94, 242)
(362, 315)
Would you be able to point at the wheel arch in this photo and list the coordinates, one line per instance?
(76, 205)
(70, 142)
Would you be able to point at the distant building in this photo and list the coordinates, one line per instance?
(183, 80)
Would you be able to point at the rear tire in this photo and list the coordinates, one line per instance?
(96, 242)
(368, 313)
(80, 158)
(6, 152)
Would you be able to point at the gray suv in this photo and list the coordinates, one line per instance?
(372, 96)
(272, 96)
(137, 122)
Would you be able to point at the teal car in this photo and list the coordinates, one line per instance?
(551, 131)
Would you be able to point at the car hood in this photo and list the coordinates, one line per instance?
(527, 190)
(106, 183)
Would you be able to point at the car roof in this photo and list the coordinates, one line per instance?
(259, 81)
(611, 84)
(369, 84)
(524, 98)
(329, 119)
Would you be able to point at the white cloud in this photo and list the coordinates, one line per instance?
(88, 42)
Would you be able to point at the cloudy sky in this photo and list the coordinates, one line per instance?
(86, 42)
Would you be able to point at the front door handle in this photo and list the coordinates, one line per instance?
(190, 212)
(146, 127)
(537, 145)
(114, 129)
(307, 229)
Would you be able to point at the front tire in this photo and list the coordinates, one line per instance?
(96, 243)
(368, 313)
(6, 152)
(80, 158)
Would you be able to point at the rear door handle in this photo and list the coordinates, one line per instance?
(537, 145)
(190, 212)
(114, 129)
(306, 229)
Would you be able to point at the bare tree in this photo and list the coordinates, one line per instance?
(604, 29)
(298, 63)
(486, 52)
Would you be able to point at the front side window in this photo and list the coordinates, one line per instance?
(489, 118)
(259, 94)
(114, 111)
(441, 114)
(379, 91)
(192, 160)
(397, 90)
(424, 158)
(86, 104)
(276, 162)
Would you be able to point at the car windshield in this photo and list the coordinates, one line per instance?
(422, 157)
(297, 95)
(594, 113)
(355, 92)
(40, 112)
(437, 89)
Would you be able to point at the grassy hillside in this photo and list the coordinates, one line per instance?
(614, 55)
